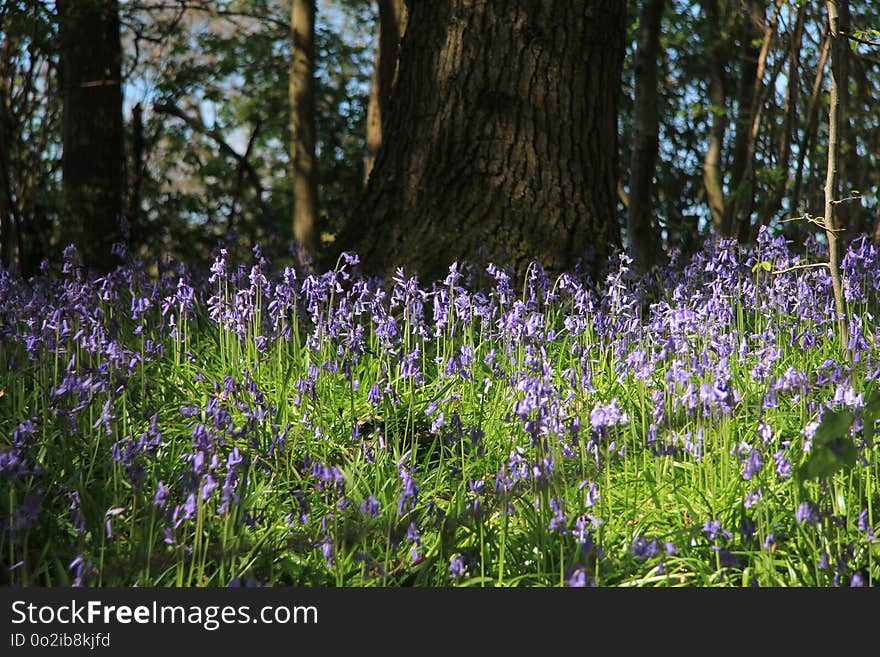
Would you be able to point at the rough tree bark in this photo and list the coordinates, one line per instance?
(643, 233)
(713, 179)
(93, 158)
(502, 138)
(304, 166)
(392, 24)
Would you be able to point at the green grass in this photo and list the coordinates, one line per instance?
(284, 525)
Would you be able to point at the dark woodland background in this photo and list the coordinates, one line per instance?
(422, 132)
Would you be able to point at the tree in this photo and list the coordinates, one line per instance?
(304, 168)
(30, 134)
(641, 227)
(502, 138)
(392, 24)
(92, 130)
(835, 119)
(713, 178)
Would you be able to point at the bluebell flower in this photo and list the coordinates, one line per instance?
(807, 513)
(752, 497)
(559, 521)
(713, 529)
(782, 464)
(577, 578)
(370, 507)
(327, 551)
(457, 566)
(863, 524)
(161, 496)
(643, 549)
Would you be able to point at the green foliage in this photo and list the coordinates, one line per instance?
(832, 448)
(229, 67)
(870, 415)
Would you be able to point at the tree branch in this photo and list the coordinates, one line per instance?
(853, 37)
(198, 126)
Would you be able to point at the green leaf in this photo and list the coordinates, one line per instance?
(761, 265)
(870, 413)
(835, 424)
(832, 450)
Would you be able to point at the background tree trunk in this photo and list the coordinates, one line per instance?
(748, 70)
(812, 125)
(304, 166)
(783, 153)
(713, 178)
(92, 129)
(392, 24)
(643, 233)
(502, 138)
(845, 213)
(8, 233)
(743, 197)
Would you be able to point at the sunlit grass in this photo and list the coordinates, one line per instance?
(251, 427)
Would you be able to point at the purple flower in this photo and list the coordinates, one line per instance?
(807, 513)
(782, 464)
(607, 416)
(559, 521)
(457, 566)
(643, 549)
(374, 396)
(410, 491)
(161, 496)
(577, 578)
(863, 524)
(412, 534)
(327, 551)
(108, 516)
(713, 529)
(753, 464)
(592, 493)
(581, 533)
(370, 507)
(752, 498)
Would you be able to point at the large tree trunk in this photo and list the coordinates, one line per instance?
(643, 233)
(304, 166)
(392, 24)
(92, 129)
(502, 138)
